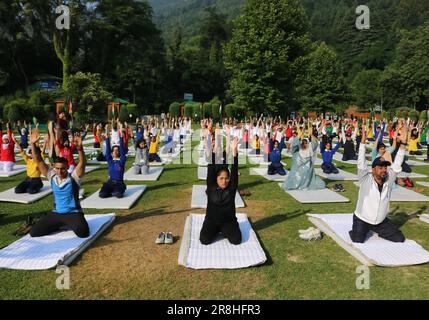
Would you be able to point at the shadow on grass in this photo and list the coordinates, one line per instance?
(163, 186)
(399, 218)
(146, 214)
(270, 221)
(278, 218)
(11, 219)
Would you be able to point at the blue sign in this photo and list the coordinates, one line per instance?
(188, 97)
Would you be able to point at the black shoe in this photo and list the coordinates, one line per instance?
(25, 229)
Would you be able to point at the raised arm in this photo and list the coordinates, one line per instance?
(35, 151)
(362, 163)
(80, 168)
(234, 168)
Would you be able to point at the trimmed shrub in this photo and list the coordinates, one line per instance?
(230, 110)
(207, 110)
(174, 109)
(196, 114)
(423, 116)
(16, 110)
(189, 110)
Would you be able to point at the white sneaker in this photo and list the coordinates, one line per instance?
(306, 230)
(311, 235)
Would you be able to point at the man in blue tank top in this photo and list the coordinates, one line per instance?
(67, 211)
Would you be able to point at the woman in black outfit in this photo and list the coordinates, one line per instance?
(221, 190)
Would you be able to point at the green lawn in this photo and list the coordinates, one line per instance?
(126, 264)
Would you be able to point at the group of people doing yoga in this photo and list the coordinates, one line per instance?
(300, 138)
(376, 184)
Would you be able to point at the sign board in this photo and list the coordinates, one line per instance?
(188, 97)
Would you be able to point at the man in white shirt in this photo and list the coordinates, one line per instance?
(374, 194)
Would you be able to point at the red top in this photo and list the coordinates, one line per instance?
(67, 153)
(8, 154)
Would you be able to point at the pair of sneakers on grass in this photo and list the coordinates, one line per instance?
(165, 238)
(310, 234)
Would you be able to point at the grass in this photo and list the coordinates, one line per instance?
(126, 264)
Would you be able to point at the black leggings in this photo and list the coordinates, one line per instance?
(230, 230)
(154, 157)
(386, 230)
(113, 188)
(29, 185)
(53, 222)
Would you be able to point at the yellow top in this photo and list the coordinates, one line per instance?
(32, 168)
(412, 144)
(154, 145)
(370, 132)
(256, 144)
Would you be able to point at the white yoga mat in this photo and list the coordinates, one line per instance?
(414, 163)
(89, 169)
(375, 251)
(96, 162)
(341, 176)
(221, 254)
(26, 198)
(339, 157)
(199, 198)
(132, 194)
(424, 218)
(18, 169)
(153, 175)
(57, 249)
(423, 183)
(316, 196)
(263, 172)
(400, 194)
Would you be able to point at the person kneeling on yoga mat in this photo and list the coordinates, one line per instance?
(141, 164)
(65, 187)
(275, 156)
(116, 158)
(221, 190)
(327, 152)
(374, 195)
(33, 182)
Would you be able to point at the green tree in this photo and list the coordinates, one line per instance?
(366, 89)
(321, 87)
(174, 109)
(88, 95)
(268, 39)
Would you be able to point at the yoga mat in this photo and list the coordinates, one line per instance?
(153, 175)
(414, 163)
(199, 198)
(221, 254)
(96, 162)
(316, 196)
(375, 251)
(57, 249)
(26, 198)
(132, 194)
(263, 173)
(400, 194)
(424, 218)
(423, 183)
(341, 176)
(18, 169)
(339, 157)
